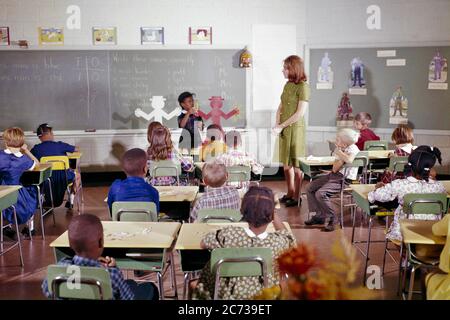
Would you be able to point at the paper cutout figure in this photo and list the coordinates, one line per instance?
(158, 103)
(438, 69)
(325, 74)
(398, 105)
(357, 75)
(216, 113)
(345, 108)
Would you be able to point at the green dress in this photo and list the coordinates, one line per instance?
(292, 142)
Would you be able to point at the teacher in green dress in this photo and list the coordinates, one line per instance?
(291, 126)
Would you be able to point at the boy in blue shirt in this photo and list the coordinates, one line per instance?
(48, 148)
(86, 240)
(134, 187)
(190, 122)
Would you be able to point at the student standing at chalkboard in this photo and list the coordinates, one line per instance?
(190, 121)
(291, 125)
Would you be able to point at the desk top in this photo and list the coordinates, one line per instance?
(120, 234)
(364, 189)
(329, 160)
(41, 167)
(191, 234)
(177, 193)
(419, 232)
(74, 155)
(5, 190)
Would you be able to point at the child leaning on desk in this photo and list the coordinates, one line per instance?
(86, 239)
(319, 192)
(419, 179)
(14, 161)
(258, 211)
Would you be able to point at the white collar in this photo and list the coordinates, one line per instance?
(412, 179)
(251, 234)
(17, 154)
(407, 147)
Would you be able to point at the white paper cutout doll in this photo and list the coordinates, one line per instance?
(158, 103)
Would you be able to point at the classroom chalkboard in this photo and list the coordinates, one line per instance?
(427, 109)
(100, 89)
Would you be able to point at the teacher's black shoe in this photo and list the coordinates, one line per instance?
(284, 199)
(314, 221)
(291, 203)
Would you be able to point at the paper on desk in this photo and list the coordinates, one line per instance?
(320, 159)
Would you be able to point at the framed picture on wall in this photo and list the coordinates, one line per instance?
(200, 35)
(4, 36)
(51, 36)
(152, 35)
(102, 36)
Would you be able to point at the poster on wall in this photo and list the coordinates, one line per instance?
(398, 108)
(51, 36)
(325, 74)
(4, 36)
(104, 35)
(344, 116)
(200, 35)
(357, 84)
(152, 35)
(437, 72)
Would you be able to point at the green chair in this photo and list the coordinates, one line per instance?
(239, 174)
(6, 202)
(134, 211)
(240, 262)
(375, 145)
(93, 283)
(166, 168)
(419, 203)
(219, 215)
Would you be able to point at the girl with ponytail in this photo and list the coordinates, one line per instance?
(420, 179)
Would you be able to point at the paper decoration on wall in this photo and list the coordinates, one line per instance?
(152, 35)
(216, 113)
(357, 80)
(51, 36)
(398, 108)
(245, 60)
(437, 72)
(4, 36)
(344, 112)
(200, 35)
(158, 103)
(325, 75)
(104, 35)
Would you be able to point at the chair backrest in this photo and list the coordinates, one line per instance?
(58, 162)
(239, 173)
(165, 168)
(134, 211)
(74, 282)
(397, 164)
(219, 215)
(240, 262)
(361, 161)
(425, 203)
(375, 145)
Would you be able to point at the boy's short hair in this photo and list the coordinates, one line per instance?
(364, 117)
(42, 129)
(350, 136)
(84, 231)
(402, 134)
(214, 174)
(14, 137)
(258, 206)
(233, 139)
(134, 161)
(183, 96)
(215, 132)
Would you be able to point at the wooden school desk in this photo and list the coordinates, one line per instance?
(134, 245)
(176, 201)
(8, 198)
(38, 175)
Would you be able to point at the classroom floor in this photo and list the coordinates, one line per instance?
(17, 283)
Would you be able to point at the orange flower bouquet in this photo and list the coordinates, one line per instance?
(311, 278)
